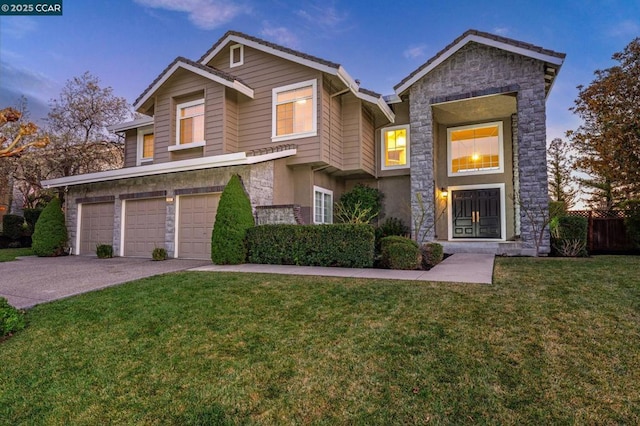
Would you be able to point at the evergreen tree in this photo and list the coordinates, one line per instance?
(50, 234)
(559, 169)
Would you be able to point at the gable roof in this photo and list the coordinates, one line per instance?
(206, 71)
(301, 58)
(552, 59)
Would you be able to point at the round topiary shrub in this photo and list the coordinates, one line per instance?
(400, 253)
(159, 253)
(104, 251)
(432, 254)
(50, 234)
(233, 218)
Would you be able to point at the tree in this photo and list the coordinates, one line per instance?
(608, 141)
(559, 170)
(50, 233)
(16, 139)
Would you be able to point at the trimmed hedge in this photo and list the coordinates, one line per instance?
(345, 245)
(12, 226)
(432, 254)
(50, 234)
(11, 319)
(400, 253)
(569, 236)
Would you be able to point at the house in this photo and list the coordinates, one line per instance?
(461, 139)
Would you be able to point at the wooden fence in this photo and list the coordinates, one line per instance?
(606, 231)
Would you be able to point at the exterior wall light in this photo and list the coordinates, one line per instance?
(444, 192)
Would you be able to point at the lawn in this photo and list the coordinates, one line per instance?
(553, 341)
(7, 255)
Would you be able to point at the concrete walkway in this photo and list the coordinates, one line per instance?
(460, 268)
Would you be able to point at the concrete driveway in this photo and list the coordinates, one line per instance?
(33, 280)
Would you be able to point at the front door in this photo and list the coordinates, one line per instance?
(476, 213)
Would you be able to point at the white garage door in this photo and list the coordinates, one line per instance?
(96, 226)
(144, 226)
(195, 223)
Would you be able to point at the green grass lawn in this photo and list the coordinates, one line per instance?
(7, 255)
(553, 341)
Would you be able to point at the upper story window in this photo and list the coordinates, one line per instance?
(322, 205)
(145, 145)
(236, 55)
(294, 111)
(395, 147)
(475, 149)
(189, 125)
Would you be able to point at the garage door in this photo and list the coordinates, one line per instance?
(195, 222)
(96, 226)
(144, 226)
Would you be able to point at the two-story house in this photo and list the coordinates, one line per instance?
(459, 141)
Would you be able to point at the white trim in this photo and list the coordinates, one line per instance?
(407, 149)
(76, 249)
(123, 218)
(186, 146)
(234, 85)
(235, 159)
(241, 61)
(314, 114)
(503, 209)
(176, 221)
(128, 125)
(142, 132)
(481, 40)
(323, 191)
(180, 107)
(478, 172)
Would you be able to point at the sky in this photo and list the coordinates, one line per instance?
(127, 43)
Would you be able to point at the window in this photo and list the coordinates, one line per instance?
(395, 147)
(294, 111)
(145, 145)
(236, 55)
(189, 125)
(322, 205)
(476, 149)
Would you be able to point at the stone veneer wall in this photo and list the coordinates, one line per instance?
(281, 214)
(479, 70)
(257, 180)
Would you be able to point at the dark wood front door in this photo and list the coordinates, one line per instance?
(476, 213)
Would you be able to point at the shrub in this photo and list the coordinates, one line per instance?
(569, 236)
(391, 226)
(399, 253)
(159, 253)
(432, 254)
(11, 319)
(12, 226)
(360, 205)
(104, 251)
(557, 209)
(233, 218)
(50, 234)
(345, 245)
(31, 217)
(632, 222)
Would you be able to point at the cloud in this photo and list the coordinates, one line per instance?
(503, 31)
(415, 52)
(204, 14)
(626, 28)
(17, 27)
(279, 35)
(35, 86)
(325, 16)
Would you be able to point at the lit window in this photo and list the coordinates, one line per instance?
(395, 147)
(236, 55)
(294, 111)
(322, 205)
(476, 149)
(190, 122)
(145, 145)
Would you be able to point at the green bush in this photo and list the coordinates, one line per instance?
(557, 209)
(12, 226)
(360, 205)
(11, 319)
(104, 251)
(400, 253)
(391, 226)
(31, 217)
(632, 222)
(345, 245)
(233, 218)
(159, 253)
(432, 254)
(50, 234)
(569, 236)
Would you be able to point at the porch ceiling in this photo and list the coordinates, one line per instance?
(475, 109)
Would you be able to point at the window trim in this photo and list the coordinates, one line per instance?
(142, 132)
(323, 191)
(274, 122)
(177, 145)
(383, 156)
(500, 168)
(231, 50)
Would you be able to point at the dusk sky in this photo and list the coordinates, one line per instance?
(127, 43)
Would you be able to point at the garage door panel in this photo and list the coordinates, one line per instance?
(144, 227)
(96, 226)
(196, 216)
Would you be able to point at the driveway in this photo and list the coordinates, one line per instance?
(33, 280)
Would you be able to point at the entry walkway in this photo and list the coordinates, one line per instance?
(460, 268)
